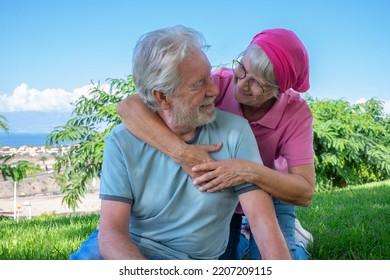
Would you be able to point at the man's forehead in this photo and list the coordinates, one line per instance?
(196, 62)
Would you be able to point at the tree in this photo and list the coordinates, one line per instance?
(3, 124)
(351, 142)
(92, 119)
(43, 159)
(17, 171)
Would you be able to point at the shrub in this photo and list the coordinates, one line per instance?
(351, 142)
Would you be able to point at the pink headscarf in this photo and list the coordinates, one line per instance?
(288, 56)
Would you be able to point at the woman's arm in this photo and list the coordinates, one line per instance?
(149, 127)
(296, 187)
(260, 211)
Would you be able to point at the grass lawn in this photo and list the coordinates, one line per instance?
(45, 237)
(349, 224)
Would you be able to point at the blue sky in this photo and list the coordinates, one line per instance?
(50, 51)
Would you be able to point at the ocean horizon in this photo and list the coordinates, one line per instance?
(23, 139)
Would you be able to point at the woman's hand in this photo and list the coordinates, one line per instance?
(194, 155)
(219, 175)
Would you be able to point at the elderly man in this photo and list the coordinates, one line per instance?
(150, 207)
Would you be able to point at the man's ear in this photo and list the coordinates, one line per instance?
(161, 99)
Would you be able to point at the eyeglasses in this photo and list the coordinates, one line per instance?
(240, 72)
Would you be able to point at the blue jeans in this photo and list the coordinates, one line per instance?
(238, 245)
(231, 252)
(89, 249)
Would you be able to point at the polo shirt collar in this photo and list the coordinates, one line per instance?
(274, 115)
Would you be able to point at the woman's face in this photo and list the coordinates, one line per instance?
(248, 90)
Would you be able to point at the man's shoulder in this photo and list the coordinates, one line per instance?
(236, 134)
(228, 125)
(119, 132)
(229, 119)
(119, 129)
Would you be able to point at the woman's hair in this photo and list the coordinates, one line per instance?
(262, 68)
(156, 58)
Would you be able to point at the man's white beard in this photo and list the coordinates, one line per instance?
(183, 117)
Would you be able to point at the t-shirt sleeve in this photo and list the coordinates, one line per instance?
(114, 183)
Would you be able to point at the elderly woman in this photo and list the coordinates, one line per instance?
(263, 86)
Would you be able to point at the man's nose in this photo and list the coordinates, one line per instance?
(212, 89)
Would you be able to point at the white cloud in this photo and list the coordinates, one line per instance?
(25, 99)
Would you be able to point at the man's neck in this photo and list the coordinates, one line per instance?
(185, 133)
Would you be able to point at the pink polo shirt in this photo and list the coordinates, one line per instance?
(284, 135)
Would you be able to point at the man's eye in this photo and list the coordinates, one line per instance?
(197, 86)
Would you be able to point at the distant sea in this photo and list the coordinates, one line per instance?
(21, 139)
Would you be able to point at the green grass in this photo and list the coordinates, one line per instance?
(349, 224)
(47, 237)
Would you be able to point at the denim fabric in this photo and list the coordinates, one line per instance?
(89, 249)
(243, 248)
(286, 217)
(231, 252)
